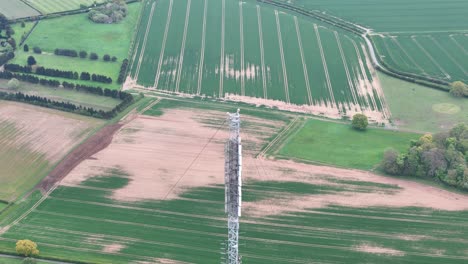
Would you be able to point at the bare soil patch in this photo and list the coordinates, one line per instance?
(183, 149)
(379, 250)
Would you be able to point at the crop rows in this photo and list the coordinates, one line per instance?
(54, 6)
(13, 9)
(443, 56)
(79, 222)
(219, 48)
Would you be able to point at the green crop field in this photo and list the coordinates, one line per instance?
(16, 9)
(83, 222)
(354, 149)
(420, 37)
(54, 6)
(443, 56)
(77, 222)
(231, 48)
(29, 136)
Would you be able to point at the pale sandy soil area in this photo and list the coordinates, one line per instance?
(183, 149)
(43, 130)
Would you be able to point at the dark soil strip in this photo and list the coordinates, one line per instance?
(91, 146)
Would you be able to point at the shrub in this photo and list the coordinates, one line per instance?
(112, 12)
(26, 48)
(93, 56)
(26, 248)
(29, 261)
(106, 57)
(31, 61)
(390, 163)
(458, 89)
(83, 54)
(114, 59)
(37, 50)
(360, 122)
(13, 84)
(22, 24)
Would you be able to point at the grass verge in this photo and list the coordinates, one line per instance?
(338, 144)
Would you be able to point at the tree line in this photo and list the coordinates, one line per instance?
(126, 98)
(123, 71)
(442, 157)
(73, 53)
(86, 76)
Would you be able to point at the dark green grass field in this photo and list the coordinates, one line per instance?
(112, 39)
(76, 223)
(434, 111)
(339, 144)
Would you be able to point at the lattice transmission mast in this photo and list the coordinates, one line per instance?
(233, 187)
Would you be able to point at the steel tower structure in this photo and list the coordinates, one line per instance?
(233, 187)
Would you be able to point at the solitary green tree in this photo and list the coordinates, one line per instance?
(31, 61)
(360, 122)
(26, 48)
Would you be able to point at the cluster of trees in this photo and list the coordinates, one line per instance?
(86, 76)
(107, 57)
(442, 157)
(459, 89)
(112, 12)
(6, 56)
(101, 78)
(123, 71)
(7, 43)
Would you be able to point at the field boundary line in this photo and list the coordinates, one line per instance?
(120, 222)
(145, 40)
(25, 214)
(413, 38)
(241, 27)
(304, 65)
(458, 44)
(283, 63)
(448, 55)
(345, 64)
(325, 67)
(277, 138)
(395, 40)
(262, 51)
(391, 54)
(221, 63)
(202, 55)
(182, 49)
(163, 47)
(150, 105)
